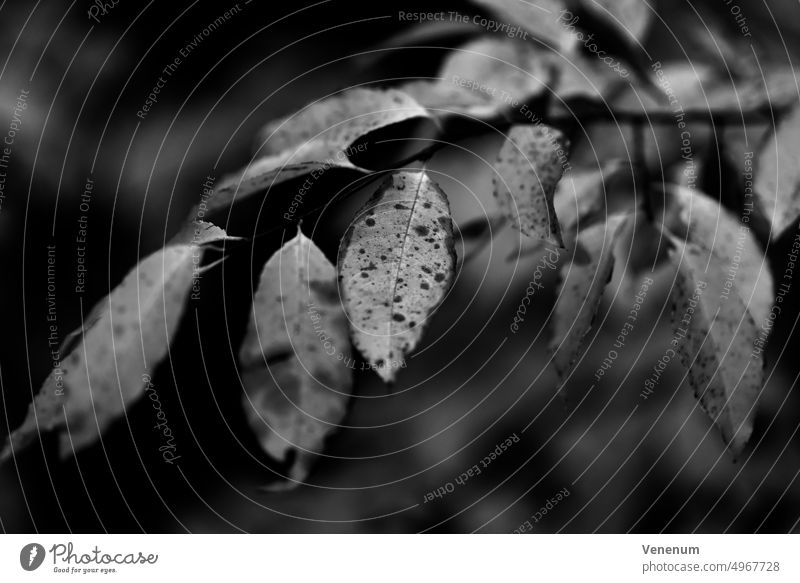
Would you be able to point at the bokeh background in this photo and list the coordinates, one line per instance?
(628, 464)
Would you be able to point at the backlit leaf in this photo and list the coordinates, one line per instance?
(714, 336)
(123, 340)
(396, 264)
(777, 174)
(731, 242)
(317, 138)
(295, 356)
(528, 168)
(538, 17)
(581, 291)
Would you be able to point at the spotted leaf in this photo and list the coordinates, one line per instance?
(728, 242)
(528, 168)
(396, 264)
(714, 338)
(122, 341)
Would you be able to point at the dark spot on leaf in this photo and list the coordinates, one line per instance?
(398, 317)
(370, 222)
(424, 285)
(398, 298)
(426, 269)
(327, 290)
(439, 277)
(421, 230)
(364, 274)
(401, 207)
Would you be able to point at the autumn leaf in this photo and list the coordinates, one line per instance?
(714, 338)
(777, 174)
(581, 291)
(295, 356)
(728, 242)
(317, 138)
(127, 334)
(528, 168)
(396, 264)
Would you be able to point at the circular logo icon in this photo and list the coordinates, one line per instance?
(31, 556)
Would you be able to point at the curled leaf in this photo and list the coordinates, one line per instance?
(295, 356)
(581, 291)
(396, 264)
(317, 138)
(527, 171)
(123, 339)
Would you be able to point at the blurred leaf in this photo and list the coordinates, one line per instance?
(777, 174)
(126, 335)
(713, 228)
(528, 168)
(396, 264)
(630, 17)
(295, 356)
(316, 138)
(581, 291)
(714, 335)
(538, 17)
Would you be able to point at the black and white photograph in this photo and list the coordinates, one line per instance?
(329, 267)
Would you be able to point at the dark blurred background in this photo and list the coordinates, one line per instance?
(628, 464)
